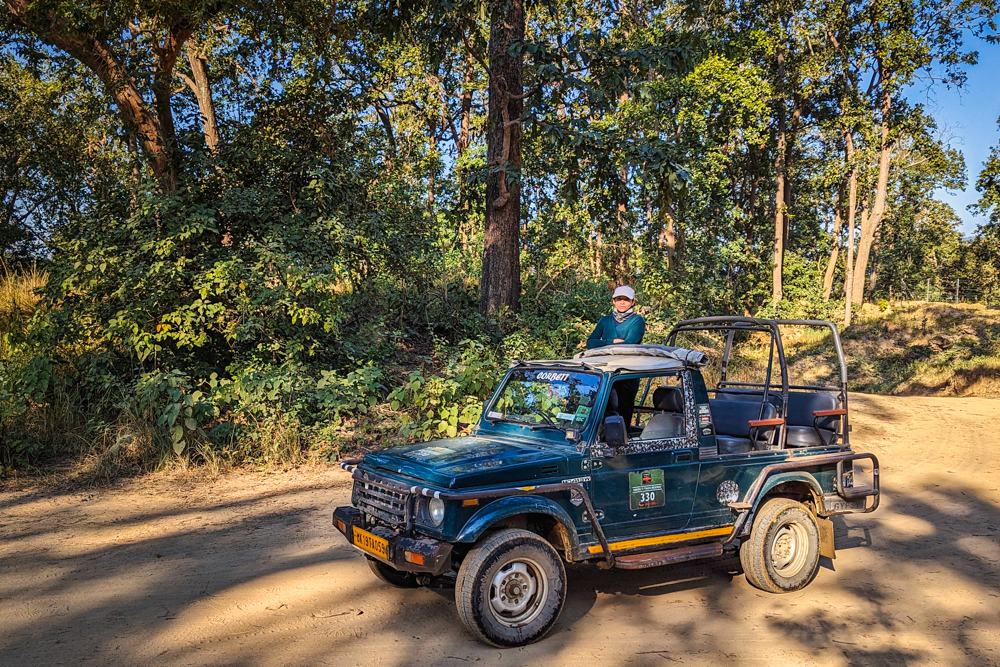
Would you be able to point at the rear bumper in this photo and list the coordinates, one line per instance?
(425, 554)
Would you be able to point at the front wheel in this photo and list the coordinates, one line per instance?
(782, 553)
(511, 588)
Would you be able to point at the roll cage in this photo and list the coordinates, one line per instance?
(777, 393)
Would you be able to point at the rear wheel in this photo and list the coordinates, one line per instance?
(391, 575)
(511, 588)
(782, 553)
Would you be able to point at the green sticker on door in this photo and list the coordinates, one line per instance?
(646, 489)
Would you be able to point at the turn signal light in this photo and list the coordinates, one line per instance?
(342, 526)
(416, 559)
(470, 503)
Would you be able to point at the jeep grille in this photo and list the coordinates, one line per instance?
(382, 499)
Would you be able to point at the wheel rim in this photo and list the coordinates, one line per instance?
(789, 549)
(518, 592)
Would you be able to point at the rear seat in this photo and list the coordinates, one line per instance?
(805, 429)
(732, 425)
(802, 427)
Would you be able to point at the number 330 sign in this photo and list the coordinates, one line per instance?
(646, 489)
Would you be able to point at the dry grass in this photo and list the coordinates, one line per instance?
(895, 352)
(900, 352)
(18, 301)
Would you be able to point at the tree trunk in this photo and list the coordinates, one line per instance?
(202, 88)
(501, 282)
(779, 190)
(871, 223)
(852, 204)
(461, 146)
(838, 221)
(667, 239)
(463, 132)
(873, 274)
(599, 252)
(793, 127)
(163, 91)
(432, 138)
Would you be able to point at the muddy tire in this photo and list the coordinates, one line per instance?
(392, 576)
(782, 553)
(511, 588)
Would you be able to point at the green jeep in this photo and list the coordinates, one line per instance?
(551, 472)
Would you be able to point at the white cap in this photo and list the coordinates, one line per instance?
(624, 291)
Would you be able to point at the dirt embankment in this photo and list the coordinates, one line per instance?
(911, 349)
(247, 570)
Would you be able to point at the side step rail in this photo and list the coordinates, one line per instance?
(657, 558)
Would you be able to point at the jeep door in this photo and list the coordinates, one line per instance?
(649, 485)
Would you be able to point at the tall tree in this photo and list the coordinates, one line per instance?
(500, 286)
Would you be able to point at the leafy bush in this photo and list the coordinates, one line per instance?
(446, 406)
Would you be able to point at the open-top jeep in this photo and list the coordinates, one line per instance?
(551, 472)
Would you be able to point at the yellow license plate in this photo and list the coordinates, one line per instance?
(373, 544)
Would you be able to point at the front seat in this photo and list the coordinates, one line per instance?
(669, 422)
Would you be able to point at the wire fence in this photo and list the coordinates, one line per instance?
(933, 291)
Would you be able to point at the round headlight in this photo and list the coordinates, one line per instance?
(435, 508)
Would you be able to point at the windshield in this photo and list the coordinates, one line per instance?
(553, 397)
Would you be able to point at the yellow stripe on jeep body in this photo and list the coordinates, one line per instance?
(663, 539)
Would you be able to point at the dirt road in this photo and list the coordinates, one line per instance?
(247, 570)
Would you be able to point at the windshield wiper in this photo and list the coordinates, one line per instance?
(509, 420)
(557, 427)
(533, 426)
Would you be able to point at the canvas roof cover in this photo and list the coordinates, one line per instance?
(634, 358)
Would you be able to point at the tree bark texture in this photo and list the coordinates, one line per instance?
(501, 282)
(202, 88)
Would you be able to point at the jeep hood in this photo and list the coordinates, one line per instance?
(474, 461)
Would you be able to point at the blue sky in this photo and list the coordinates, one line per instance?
(970, 117)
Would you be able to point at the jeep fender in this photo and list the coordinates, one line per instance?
(509, 506)
(784, 478)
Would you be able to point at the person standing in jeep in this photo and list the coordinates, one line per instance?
(622, 326)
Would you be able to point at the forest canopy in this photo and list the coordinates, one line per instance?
(264, 225)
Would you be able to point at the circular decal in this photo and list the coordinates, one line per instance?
(728, 492)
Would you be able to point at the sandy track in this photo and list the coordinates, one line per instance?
(247, 570)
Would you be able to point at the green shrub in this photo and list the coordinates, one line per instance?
(433, 405)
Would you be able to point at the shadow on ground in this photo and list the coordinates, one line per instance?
(264, 580)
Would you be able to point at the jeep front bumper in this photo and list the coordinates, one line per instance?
(407, 554)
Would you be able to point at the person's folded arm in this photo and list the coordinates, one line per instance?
(596, 338)
(635, 334)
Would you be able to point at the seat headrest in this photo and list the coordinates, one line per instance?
(668, 399)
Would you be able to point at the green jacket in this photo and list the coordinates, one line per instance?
(631, 330)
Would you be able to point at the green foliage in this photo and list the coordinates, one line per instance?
(176, 406)
(309, 281)
(436, 405)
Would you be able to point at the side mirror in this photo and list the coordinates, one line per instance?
(615, 432)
